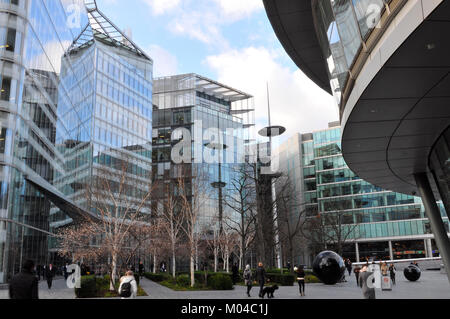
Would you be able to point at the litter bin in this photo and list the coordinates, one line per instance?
(386, 283)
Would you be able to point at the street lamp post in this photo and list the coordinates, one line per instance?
(270, 132)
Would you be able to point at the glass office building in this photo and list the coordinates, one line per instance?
(391, 85)
(73, 96)
(198, 104)
(111, 126)
(34, 36)
(383, 224)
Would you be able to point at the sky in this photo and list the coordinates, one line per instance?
(232, 42)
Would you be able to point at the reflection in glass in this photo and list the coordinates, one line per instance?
(440, 165)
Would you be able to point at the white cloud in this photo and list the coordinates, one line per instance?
(203, 20)
(296, 102)
(237, 9)
(204, 27)
(162, 6)
(165, 63)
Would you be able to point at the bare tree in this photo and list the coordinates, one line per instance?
(265, 220)
(121, 202)
(291, 217)
(211, 238)
(241, 199)
(332, 228)
(228, 240)
(192, 195)
(171, 212)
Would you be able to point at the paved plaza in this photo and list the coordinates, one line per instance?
(432, 285)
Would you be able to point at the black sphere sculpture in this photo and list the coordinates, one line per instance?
(329, 267)
(412, 273)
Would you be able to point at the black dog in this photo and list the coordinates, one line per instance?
(269, 291)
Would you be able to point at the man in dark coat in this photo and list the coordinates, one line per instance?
(261, 278)
(235, 272)
(50, 274)
(24, 286)
(141, 269)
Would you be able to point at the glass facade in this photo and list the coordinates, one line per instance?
(65, 109)
(187, 101)
(373, 214)
(343, 27)
(113, 120)
(33, 38)
(440, 166)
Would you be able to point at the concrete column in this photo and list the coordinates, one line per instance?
(357, 253)
(427, 250)
(436, 222)
(391, 251)
(429, 247)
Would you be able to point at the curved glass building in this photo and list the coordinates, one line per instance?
(386, 62)
(76, 94)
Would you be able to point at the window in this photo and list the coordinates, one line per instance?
(6, 89)
(3, 134)
(10, 40)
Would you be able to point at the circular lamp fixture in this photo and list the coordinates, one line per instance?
(218, 185)
(272, 131)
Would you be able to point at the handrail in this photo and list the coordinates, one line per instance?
(397, 261)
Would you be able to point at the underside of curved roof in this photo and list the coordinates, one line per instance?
(293, 24)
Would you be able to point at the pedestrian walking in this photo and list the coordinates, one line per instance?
(235, 273)
(384, 268)
(392, 271)
(39, 272)
(128, 286)
(65, 273)
(349, 266)
(141, 269)
(25, 285)
(261, 278)
(50, 274)
(357, 271)
(248, 279)
(300, 272)
(366, 282)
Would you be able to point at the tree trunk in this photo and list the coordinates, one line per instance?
(192, 265)
(174, 262)
(112, 284)
(216, 259)
(154, 262)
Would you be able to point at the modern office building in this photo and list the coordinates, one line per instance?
(376, 223)
(199, 104)
(34, 37)
(76, 93)
(110, 127)
(386, 62)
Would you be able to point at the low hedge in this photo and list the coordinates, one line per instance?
(312, 279)
(157, 277)
(281, 279)
(220, 281)
(88, 287)
(98, 287)
(184, 281)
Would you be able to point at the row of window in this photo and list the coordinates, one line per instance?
(125, 76)
(352, 188)
(342, 27)
(365, 201)
(122, 97)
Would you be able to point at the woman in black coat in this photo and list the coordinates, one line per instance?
(261, 278)
(300, 272)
